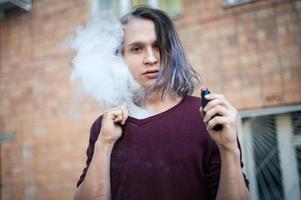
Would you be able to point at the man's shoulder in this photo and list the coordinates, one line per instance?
(193, 100)
(190, 104)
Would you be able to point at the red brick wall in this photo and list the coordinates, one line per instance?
(38, 103)
(251, 53)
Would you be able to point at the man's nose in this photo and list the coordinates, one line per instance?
(150, 57)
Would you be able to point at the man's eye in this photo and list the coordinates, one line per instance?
(136, 49)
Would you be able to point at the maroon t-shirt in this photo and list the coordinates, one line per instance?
(168, 156)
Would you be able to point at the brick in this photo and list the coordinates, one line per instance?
(292, 92)
(272, 94)
(252, 97)
(265, 13)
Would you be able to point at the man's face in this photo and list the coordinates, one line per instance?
(141, 52)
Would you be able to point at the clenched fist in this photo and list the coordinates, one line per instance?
(111, 125)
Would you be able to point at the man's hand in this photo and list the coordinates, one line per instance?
(111, 126)
(220, 111)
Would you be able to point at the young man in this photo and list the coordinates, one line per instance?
(174, 154)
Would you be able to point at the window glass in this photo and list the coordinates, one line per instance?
(172, 7)
(265, 148)
(237, 2)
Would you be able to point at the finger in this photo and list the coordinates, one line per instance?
(217, 110)
(212, 96)
(111, 113)
(117, 115)
(124, 114)
(118, 118)
(123, 107)
(215, 121)
(214, 103)
(201, 111)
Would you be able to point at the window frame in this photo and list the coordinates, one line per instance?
(281, 115)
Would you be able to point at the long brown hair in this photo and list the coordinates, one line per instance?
(176, 76)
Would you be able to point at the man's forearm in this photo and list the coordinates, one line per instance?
(96, 185)
(231, 185)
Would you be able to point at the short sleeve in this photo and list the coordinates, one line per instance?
(94, 132)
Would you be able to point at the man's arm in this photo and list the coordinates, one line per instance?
(231, 184)
(97, 183)
(219, 111)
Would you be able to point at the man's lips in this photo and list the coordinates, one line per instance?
(151, 73)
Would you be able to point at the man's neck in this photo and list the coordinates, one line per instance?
(156, 104)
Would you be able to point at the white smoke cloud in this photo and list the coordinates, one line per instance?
(102, 74)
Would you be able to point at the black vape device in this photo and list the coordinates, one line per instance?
(204, 92)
